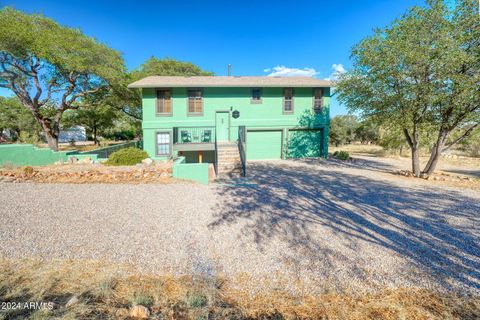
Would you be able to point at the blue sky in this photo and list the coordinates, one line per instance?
(301, 37)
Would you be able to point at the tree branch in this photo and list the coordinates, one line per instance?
(407, 136)
(463, 136)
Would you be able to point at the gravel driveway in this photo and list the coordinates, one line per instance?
(309, 225)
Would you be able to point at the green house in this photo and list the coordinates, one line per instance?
(259, 118)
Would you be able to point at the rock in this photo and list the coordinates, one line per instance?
(73, 301)
(121, 313)
(139, 312)
(147, 161)
(86, 160)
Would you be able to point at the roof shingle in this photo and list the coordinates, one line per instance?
(226, 81)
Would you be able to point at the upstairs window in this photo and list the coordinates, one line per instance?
(317, 100)
(195, 102)
(164, 102)
(288, 100)
(256, 95)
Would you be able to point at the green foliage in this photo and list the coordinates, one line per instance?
(28, 170)
(167, 67)
(342, 129)
(96, 119)
(126, 157)
(421, 73)
(367, 132)
(142, 299)
(470, 145)
(17, 119)
(65, 50)
(51, 67)
(196, 300)
(341, 155)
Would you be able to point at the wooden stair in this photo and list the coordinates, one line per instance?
(228, 157)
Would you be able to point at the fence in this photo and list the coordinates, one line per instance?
(104, 153)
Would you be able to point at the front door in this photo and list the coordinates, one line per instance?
(221, 125)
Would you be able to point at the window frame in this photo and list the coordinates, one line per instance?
(254, 101)
(170, 142)
(164, 114)
(292, 100)
(314, 100)
(190, 114)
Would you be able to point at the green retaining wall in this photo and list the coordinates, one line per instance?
(29, 155)
(191, 171)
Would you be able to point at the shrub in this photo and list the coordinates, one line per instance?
(28, 171)
(126, 157)
(141, 299)
(197, 300)
(342, 155)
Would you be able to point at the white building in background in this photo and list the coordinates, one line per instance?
(76, 133)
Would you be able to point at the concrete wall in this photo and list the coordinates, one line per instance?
(27, 154)
(198, 172)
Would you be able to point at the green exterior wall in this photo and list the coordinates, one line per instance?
(29, 155)
(265, 115)
(190, 171)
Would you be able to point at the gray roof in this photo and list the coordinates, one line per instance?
(224, 81)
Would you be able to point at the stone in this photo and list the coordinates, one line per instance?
(121, 313)
(147, 161)
(139, 312)
(86, 160)
(425, 176)
(73, 301)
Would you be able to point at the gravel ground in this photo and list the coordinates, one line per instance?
(306, 225)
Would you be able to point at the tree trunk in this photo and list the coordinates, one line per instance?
(436, 152)
(51, 133)
(95, 141)
(52, 141)
(415, 161)
(413, 142)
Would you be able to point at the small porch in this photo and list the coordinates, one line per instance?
(194, 138)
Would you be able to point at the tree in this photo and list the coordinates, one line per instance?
(422, 73)
(129, 100)
(367, 131)
(342, 129)
(47, 65)
(14, 117)
(96, 119)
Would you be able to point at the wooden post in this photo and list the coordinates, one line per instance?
(200, 156)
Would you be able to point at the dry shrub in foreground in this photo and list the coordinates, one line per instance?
(104, 291)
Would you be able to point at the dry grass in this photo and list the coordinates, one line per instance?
(105, 291)
(360, 149)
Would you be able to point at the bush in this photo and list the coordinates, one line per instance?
(197, 300)
(126, 157)
(342, 155)
(141, 299)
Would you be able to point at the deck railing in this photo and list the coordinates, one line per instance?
(242, 140)
(193, 135)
